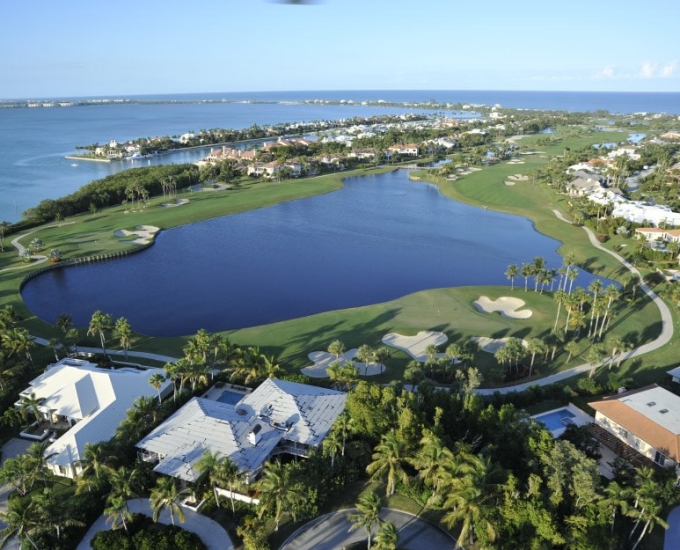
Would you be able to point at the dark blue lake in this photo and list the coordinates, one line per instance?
(378, 238)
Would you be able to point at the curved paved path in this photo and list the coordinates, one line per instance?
(663, 338)
(212, 533)
(331, 532)
(118, 352)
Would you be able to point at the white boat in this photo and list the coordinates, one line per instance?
(135, 156)
(74, 165)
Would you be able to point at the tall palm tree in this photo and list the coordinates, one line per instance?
(611, 294)
(560, 298)
(228, 474)
(595, 287)
(365, 354)
(117, 512)
(19, 342)
(278, 492)
(616, 498)
(526, 272)
(367, 515)
(124, 482)
(572, 348)
(536, 346)
(156, 381)
(382, 354)
(124, 331)
(30, 405)
(430, 459)
(387, 537)
(52, 513)
(100, 323)
(387, 462)
(94, 467)
(471, 499)
(166, 495)
(21, 521)
(64, 322)
(511, 273)
(206, 466)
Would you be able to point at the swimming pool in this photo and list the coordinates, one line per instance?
(230, 397)
(556, 420)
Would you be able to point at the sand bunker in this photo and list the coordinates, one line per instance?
(322, 360)
(143, 234)
(492, 345)
(518, 177)
(506, 305)
(177, 202)
(416, 345)
(508, 182)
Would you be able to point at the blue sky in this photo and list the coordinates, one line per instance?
(86, 48)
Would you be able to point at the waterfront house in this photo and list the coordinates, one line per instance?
(278, 417)
(409, 149)
(266, 169)
(89, 402)
(654, 234)
(646, 420)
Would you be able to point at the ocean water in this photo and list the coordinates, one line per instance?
(33, 142)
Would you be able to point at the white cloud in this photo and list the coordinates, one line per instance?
(607, 72)
(668, 69)
(648, 70)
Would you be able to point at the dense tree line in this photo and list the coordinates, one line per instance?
(135, 184)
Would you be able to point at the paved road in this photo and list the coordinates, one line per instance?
(212, 534)
(671, 540)
(119, 353)
(331, 532)
(663, 339)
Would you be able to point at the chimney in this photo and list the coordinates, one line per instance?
(254, 435)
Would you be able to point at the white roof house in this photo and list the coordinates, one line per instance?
(92, 400)
(277, 417)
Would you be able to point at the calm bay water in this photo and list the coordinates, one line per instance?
(33, 142)
(378, 238)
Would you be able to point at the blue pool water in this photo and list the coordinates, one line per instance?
(556, 419)
(230, 397)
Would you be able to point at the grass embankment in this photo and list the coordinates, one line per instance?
(449, 310)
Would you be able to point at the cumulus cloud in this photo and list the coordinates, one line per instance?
(607, 72)
(669, 69)
(648, 70)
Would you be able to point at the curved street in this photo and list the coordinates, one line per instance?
(331, 532)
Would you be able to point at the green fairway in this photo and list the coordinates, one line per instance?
(448, 310)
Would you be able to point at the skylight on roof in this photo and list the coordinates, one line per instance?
(663, 411)
(651, 403)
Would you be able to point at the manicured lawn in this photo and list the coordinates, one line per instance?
(448, 310)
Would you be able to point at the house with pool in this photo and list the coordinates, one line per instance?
(85, 403)
(251, 428)
(646, 420)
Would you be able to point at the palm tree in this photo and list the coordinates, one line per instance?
(94, 467)
(572, 348)
(278, 492)
(429, 460)
(166, 495)
(617, 497)
(99, 324)
(387, 462)
(650, 513)
(595, 356)
(337, 348)
(72, 337)
(611, 294)
(365, 354)
(227, 473)
(21, 521)
(30, 405)
(18, 341)
(526, 272)
(64, 322)
(124, 331)
(206, 466)
(124, 482)
(387, 537)
(382, 354)
(595, 287)
(117, 512)
(536, 346)
(53, 515)
(367, 515)
(471, 499)
(156, 381)
(560, 298)
(511, 273)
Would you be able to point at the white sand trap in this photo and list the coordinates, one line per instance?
(492, 345)
(506, 305)
(416, 345)
(322, 360)
(143, 234)
(178, 202)
(508, 182)
(518, 177)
